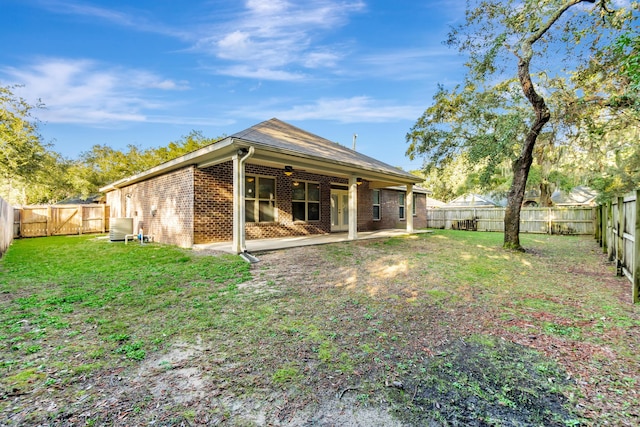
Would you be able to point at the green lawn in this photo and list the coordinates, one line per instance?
(425, 327)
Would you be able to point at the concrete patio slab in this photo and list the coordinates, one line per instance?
(265, 245)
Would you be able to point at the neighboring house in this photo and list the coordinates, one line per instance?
(271, 180)
(471, 201)
(578, 196)
(434, 203)
(79, 200)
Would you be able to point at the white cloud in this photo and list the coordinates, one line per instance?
(273, 35)
(134, 20)
(84, 91)
(259, 73)
(356, 109)
(411, 64)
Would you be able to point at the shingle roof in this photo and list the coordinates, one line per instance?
(282, 136)
(577, 196)
(276, 136)
(471, 200)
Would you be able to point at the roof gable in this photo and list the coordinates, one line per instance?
(278, 143)
(281, 136)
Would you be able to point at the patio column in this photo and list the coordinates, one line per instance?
(353, 207)
(409, 213)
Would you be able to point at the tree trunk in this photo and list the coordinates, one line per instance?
(545, 194)
(522, 164)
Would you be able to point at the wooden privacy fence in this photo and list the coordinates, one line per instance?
(58, 220)
(6, 225)
(618, 232)
(556, 220)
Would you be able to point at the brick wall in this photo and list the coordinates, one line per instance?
(284, 224)
(213, 207)
(420, 219)
(196, 206)
(365, 207)
(390, 211)
(171, 197)
(214, 204)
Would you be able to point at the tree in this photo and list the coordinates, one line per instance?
(103, 165)
(494, 34)
(21, 150)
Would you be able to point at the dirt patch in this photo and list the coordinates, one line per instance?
(486, 381)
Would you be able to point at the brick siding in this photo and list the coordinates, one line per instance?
(196, 205)
(172, 197)
(390, 211)
(214, 204)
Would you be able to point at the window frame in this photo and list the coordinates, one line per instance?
(378, 205)
(307, 202)
(402, 203)
(257, 199)
(414, 211)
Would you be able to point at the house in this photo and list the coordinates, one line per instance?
(471, 201)
(270, 180)
(434, 203)
(578, 196)
(80, 200)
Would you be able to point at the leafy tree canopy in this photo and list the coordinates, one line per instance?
(530, 63)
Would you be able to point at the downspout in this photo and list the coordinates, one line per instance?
(238, 199)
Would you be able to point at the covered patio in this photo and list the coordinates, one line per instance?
(266, 245)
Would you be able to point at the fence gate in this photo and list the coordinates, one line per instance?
(40, 221)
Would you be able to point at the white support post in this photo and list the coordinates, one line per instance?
(409, 213)
(353, 207)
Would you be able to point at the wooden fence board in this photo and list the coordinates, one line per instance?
(580, 220)
(620, 237)
(40, 221)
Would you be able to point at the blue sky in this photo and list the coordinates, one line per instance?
(147, 72)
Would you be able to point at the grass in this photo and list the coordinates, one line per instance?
(446, 328)
(71, 302)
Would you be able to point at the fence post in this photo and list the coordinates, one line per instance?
(596, 224)
(81, 213)
(104, 218)
(620, 243)
(49, 220)
(635, 282)
(604, 223)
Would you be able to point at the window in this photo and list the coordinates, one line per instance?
(305, 201)
(260, 199)
(413, 207)
(401, 205)
(376, 205)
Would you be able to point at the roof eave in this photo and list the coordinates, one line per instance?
(225, 149)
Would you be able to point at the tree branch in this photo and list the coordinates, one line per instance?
(526, 46)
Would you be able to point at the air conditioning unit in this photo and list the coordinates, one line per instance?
(120, 227)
